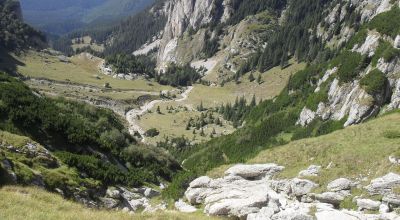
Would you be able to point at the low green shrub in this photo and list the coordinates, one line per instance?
(374, 82)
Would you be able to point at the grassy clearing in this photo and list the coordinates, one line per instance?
(174, 124)
(355, 152)
(86, 42)
(19, 203)
(81, 69)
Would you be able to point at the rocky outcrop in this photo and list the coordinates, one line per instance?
(186, 14)
(384, 185)
(256, 196)
(369, 46)
(306, 117)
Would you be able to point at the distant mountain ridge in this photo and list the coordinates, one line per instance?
(60, 16)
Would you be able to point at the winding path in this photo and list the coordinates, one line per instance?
(132, 115)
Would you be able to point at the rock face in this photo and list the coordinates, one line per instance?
(247, 190)
(369, 46)
(185, 14)
(306, 117)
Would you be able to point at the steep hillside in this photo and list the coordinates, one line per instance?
(59, 17)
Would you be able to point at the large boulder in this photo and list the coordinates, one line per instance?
(339, 185)
(368, 204)
(384, 185)
(397, 42)
(184, 207)
(392, 199)
(254, 171)
(200, 182)
(136, 204)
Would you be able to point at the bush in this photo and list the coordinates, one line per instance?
(152, 132)
(374, 82)
(386, 51)
(387, 23)
(349, 64)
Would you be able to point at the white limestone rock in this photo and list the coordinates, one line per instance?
(369, 46)
(200, 182)
(300, 187)
(312, 170)
(184, 207)
(264, 214)
(113, 193)
(397, 42)
(384, 185)
(330, 197)
(254, 170)
(306, 117)
(339, 185)
(368, 204)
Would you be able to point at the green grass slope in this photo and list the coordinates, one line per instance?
(18, 203)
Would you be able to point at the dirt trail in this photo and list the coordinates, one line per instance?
(133, 114)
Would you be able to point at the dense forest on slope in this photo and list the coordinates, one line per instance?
(121, 37)
(14, 34)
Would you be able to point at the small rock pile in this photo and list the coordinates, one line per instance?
(250, 192)
(131, 200)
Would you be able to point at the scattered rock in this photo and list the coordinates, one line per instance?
(136, 204)
(339, 185)
(184, 207)
(113, 193)
(394, 160)
(254, 171)
(301, 187)
(368, 204)
(392, 200)
(263, 214)
(384, 185)
(150, 193)
(312, 170)
(109, 203)
(330, 197)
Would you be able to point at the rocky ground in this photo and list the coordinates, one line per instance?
(251, 192)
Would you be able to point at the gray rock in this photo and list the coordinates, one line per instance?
(109, 203)
(339, 185)
(184, 207)
(301, 187)
(330, 197)
(383, 208)
(306, 117)
(264, 214)
(150, 193)
(392, 200)
(397, 42)
(312, 170)
(368, 204)
(136, 204)
(200, 182)
(384, 185)
(254, 171)
(113, 193)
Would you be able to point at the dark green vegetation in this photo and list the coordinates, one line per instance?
(59, 16)
(89, 139)
(123, 63)
(349, 64)
(128, 34)
(178, 75)
(387, 23)
(14, 34)
(374, 82)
